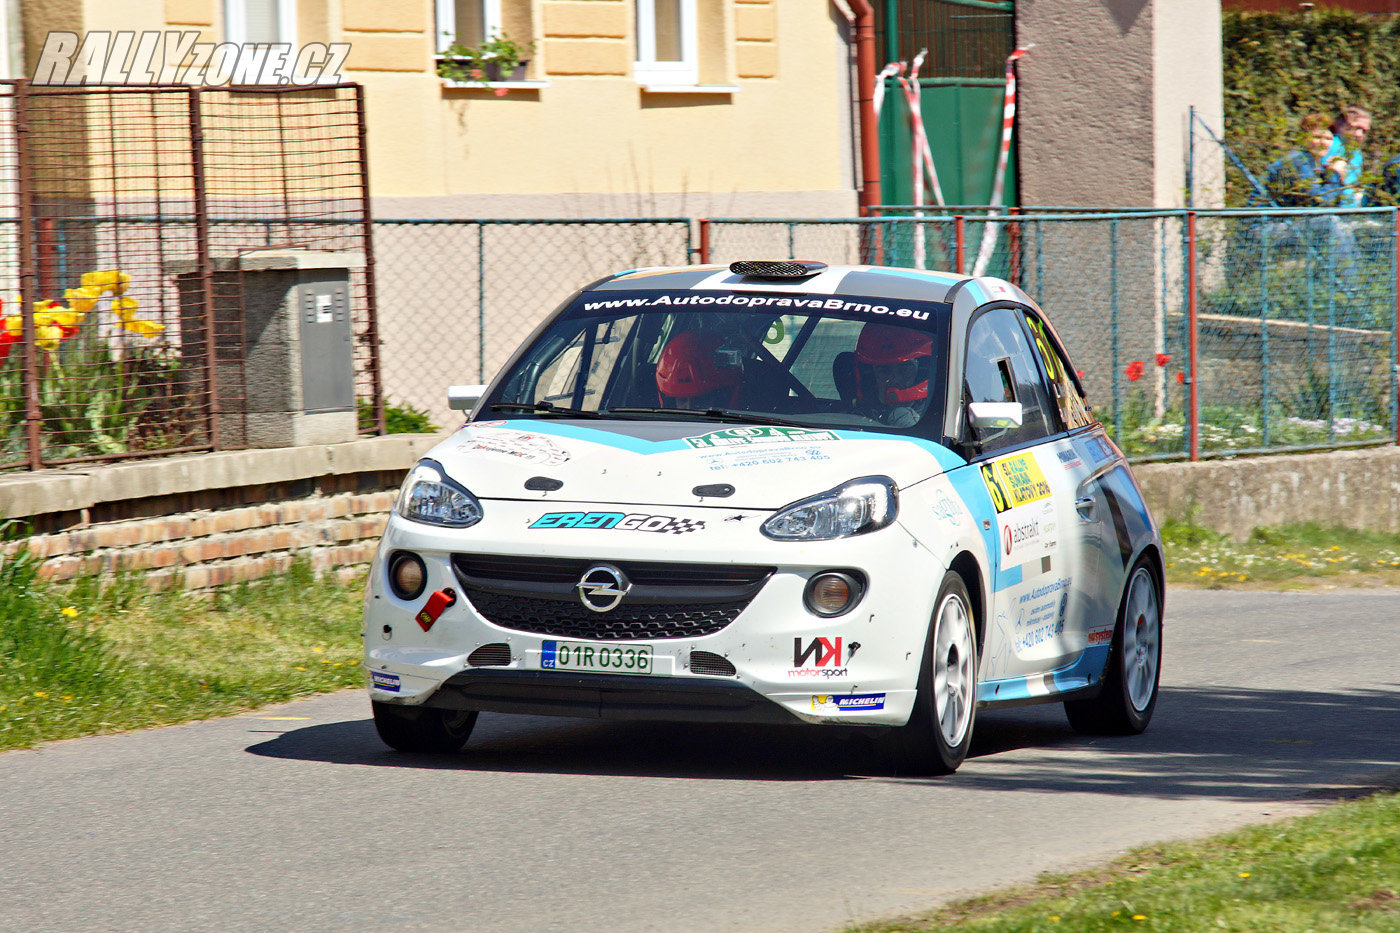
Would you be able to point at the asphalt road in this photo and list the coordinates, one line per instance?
(297, 818)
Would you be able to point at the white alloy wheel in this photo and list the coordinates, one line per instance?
(953, 675)
(1142, 640)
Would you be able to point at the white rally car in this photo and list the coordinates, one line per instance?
(773, 492)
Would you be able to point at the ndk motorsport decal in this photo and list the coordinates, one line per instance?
(619, 521)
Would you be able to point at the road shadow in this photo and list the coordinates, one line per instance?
(1221, 743)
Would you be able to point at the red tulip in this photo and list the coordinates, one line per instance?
(1134, 370)
(1163, 359)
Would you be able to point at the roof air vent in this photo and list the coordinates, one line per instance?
(776, 268)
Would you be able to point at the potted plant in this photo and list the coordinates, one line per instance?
(499, 58)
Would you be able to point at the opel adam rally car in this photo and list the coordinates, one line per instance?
(772, 492)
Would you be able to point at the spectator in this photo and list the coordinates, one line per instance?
(1303, 178)
(1345, 155)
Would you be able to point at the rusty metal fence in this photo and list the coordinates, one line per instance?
(123, 214)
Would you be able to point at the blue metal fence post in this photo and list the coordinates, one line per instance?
(1331, 346)
(1264, 419)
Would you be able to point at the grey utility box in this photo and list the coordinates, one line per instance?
(284, 345)
(300, 363)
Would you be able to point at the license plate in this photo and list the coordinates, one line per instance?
(596, 658)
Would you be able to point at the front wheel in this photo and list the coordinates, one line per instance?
(422, 729)
(939, 731)
(1129, 694)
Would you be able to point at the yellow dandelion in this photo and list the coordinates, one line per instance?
(68, 698)
(1244, 874)
(338, 664)
(1139, 916)
(69, 611)
(301, 668)
(1054, 918)
(40, 694)
(318, 649)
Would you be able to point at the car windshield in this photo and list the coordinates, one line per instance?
(835, 361)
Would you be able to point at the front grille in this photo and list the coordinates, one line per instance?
(667, 600)
(707, 662)
(493, 655)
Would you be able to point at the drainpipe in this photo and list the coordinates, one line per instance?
(861, 15)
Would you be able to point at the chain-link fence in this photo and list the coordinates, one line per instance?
(1198, 333)
(457, 296)
(127, 212)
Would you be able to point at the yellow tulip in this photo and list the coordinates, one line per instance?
(143, 328)
(47, 336)
(58, 318)
(83, 299)
(108, 280)
(124, 307)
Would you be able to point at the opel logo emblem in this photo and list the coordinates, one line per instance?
(602, 587)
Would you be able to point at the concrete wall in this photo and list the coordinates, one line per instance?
(1103, 98)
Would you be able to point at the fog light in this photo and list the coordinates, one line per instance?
(407, 575)
(831, 593)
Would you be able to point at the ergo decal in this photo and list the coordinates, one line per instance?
(619, 521)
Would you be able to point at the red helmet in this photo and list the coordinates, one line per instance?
(687, 367)
(887, 345)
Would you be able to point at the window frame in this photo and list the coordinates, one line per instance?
(236, 22)
(446, 19)
(648, 71)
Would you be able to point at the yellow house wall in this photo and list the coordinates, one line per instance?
(587, 128)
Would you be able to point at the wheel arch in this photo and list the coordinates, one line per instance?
(965, 565)
(1152, 556)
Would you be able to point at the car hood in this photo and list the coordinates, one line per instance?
(664, 463)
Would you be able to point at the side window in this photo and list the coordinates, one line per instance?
(1074, 410)
(1001, 367)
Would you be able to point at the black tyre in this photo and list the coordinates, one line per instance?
(939, 731)
(1129, 695)
(422, 729)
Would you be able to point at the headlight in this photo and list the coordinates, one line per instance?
(853, 508)
(429, 496)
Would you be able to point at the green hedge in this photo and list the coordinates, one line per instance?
(1279, 66)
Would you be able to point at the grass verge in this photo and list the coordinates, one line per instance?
(108, 657)
(1285, 557)
(1335, 870)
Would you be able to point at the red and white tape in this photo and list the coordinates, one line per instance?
(1008, 118)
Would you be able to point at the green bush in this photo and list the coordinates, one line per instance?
(399, 418)
(1280, 66)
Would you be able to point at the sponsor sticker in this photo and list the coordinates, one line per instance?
(740, 437)
(382, 680)
(1069, 459)
(1027, 532)
(1101, 637)
(822, 657)
(850, 702)
(795, 303)
(518, 445)
(740, 458)
(1015, 481)
(619, 521)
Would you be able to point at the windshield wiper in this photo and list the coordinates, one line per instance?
(545, 407)
(717, 414)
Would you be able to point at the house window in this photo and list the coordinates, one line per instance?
(467, 22)
(260, 21)
(666, 45)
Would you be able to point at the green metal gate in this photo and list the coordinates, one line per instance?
(962, 86)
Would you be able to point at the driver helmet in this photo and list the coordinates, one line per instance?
(689, 368)
(885, 345)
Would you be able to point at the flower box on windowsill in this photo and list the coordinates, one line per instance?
(492, 73)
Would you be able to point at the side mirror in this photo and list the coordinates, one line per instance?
(995, 416)
(464, 398)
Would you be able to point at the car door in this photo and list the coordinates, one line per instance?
(1040, 610)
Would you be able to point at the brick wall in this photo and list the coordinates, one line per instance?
(337, 533)
(211, 519)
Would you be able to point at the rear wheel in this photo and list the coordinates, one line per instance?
(422, 729)
(1129, 695)
(939, 731)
